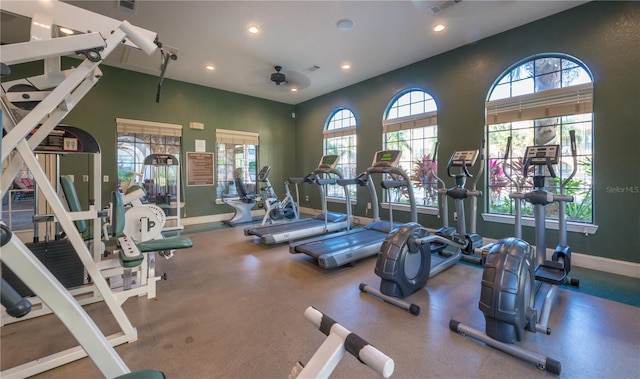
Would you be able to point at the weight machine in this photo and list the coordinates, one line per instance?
(50, 107)
(166, 195)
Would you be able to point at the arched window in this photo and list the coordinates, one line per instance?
(536, 102)
(410, 125)
(340, 139)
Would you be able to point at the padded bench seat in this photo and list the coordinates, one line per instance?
(167, 243)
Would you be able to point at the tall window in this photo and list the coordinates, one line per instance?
(237, 154)
(138, 139)
(410, 125)
(340, 139)
(537, 102)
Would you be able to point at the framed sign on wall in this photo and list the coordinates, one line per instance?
(200, 169)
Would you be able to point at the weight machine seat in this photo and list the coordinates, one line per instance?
(163, 244)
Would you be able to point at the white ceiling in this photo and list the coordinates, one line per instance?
(300, 34)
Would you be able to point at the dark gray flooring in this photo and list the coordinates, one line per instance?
(233, 308)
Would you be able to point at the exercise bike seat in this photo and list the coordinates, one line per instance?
(551, 272)
(242, 192)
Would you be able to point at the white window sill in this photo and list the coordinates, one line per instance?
(575, 227)
(340, 200)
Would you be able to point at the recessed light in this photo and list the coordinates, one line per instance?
(254, 29)
(210, 67)
(344, 24)
(438, 28)
(294, 90)
(345, 66)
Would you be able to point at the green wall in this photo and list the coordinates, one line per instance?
(126, 94)
(603, 35)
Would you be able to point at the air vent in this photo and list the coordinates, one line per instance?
(311, 68)
(128, 5)
(439, 7)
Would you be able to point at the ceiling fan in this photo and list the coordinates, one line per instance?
(278, 77)
(283, 79)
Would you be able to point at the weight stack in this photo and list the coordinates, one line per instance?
(59, 257)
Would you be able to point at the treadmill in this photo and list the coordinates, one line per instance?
(322, 223)
(337, 249)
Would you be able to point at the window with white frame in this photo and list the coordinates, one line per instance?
(411, 126)
(137, 139)
(340, 139)
(237, 156)
(537, 102)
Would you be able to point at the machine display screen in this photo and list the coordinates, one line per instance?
(329, 161)
(468, 158)
(387, 158)
(540, 155)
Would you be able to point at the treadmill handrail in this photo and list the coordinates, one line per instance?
(401, 172)
(388, 184)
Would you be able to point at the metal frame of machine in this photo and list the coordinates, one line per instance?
(69, 87)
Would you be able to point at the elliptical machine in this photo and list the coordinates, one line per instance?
(513, 272)
(405, 264)
(463, 160)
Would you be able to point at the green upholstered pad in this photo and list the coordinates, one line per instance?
(135, 187)
(143, 374)
(117, 214)
(170, 243)
(73, 202)
(130, 262)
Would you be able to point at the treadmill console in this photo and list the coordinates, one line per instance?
(542, 155)
(328, 162)
(466, 158)
(387, 158)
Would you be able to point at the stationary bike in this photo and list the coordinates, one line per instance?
(404, 263)
(275, 209)
(513, 272)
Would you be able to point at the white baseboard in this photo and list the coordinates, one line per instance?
(611, 266)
